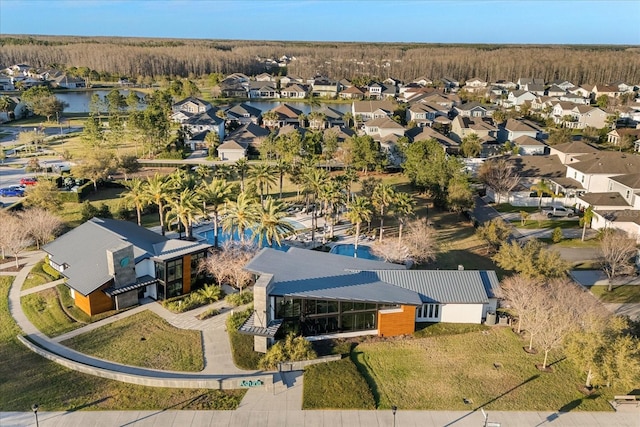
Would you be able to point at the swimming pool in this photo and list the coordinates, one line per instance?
(249, 236)
(363, 252)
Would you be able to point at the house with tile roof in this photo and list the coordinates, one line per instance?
(326, 295)
(110, 264)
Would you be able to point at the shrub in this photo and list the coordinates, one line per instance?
(87, 211)
(557, 235)
(208, 313)
(211, 293)
(55, 275)
(242, 345)
(240, 298)
(291, 349)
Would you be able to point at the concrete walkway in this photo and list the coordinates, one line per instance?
(276, 417)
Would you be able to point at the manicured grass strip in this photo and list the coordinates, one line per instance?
(37, 277)
(438, 373)
(434, 329)
(545, 223)
(146, 340)
(577, 243)
(620, 294)
(336, 385)
(242, 345)
(43, 309)
(28, 378)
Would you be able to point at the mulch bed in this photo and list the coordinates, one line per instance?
(548, 369)
(13, 268)
(530, 351)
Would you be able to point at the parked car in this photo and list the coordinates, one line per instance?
(557, 211)
(28, 181)
(11, 192)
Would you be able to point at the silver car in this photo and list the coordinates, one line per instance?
(557, 211)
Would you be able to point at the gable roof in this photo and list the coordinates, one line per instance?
(575, 147)
(88, 269)
(538, 166)
(519, 126)
(241, 109)
(607, 163)
(612, 198)
(385, 123)
(631, 180)
(231, 145)
(528, 141)
(206, 118)
(248, 131)
(286, 110)
(371, 106)
(310, 274)
(426, 132)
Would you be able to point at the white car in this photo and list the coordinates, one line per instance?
(557, 211)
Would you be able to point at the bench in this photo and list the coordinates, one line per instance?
(626, 399)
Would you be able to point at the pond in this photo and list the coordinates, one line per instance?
(78, 101)
(363, 252)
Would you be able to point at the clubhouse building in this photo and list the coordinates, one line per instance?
(321, 295)
(111, 264)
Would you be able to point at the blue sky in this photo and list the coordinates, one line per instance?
(455, 21)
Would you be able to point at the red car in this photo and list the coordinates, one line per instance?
(28, 181)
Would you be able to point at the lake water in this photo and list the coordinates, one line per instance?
(79, 101)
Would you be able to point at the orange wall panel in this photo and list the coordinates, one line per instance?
(94, 303)
(186, 274)
(397, 322)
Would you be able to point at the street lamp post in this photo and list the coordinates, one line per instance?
(34, 408)
(394, 408)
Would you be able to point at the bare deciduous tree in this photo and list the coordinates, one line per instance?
(617, 250)
(516, 292)
(391, 251)
(17, 237)
(41, 225)
(499, 175)
(227, 264)
(420, 241)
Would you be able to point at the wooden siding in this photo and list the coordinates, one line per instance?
(397, 322)
(186, 274)
(94, 303)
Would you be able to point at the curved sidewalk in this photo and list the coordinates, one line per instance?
(70, 358)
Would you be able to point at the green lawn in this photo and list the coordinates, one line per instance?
(242, 345)
(44, 310)
(37, 277)
(28, 378)
(619, 294)
(322, 391)
(578, 243)
(545, 223)
(439, 372)
(144, 339)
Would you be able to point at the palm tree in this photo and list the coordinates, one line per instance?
(358, 211)
(216, 194)
(239, 215)
(541, 188)
(383, 196)
(158, 191)
(202, 172)
(262, 176)
(282, 167)
(184, 209)
(270, 224)
(351, 176)
(223, 171)
(348, 118)
(333, 198)
(586, 219)
(403, 208)
(181, 179)
(136, 196)
(270, 119)
(314, 179)
(242, 167)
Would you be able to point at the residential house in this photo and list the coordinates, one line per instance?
(425, 133)
(232, 151)
(325, 88)
(265, 77)
(624, 87)
(286, 114)
(325, 117)
(66, 81)
(382, 127)
(368, 110)
(517, 98)
(423, 114)
(291, 79)
(562, 112)
(536, 89)
(517, 128)
(483, 127)
(294, 91)
(587, 115)
(207, 120)
(474, 109)
(122, 264)
(618, 135)
(525, 82)
(505, 84)
(576, 99)
(197, 141)
(608, 90)
(327, 294)
(584, 91)
(528, 146)
(475, 84)
(352, 92)
(554, 90)
(570, 152)
(374, 90)
(450, 84)
(341, 133)
(243, 114)
(250, 136)
(260, 89)
(593, 170)
(191, 105)
(6, 83)
(423, 81)
(562, 84)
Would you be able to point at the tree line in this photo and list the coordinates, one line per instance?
(134, 57)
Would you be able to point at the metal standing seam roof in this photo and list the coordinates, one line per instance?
(310, 274)
(84, 248)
